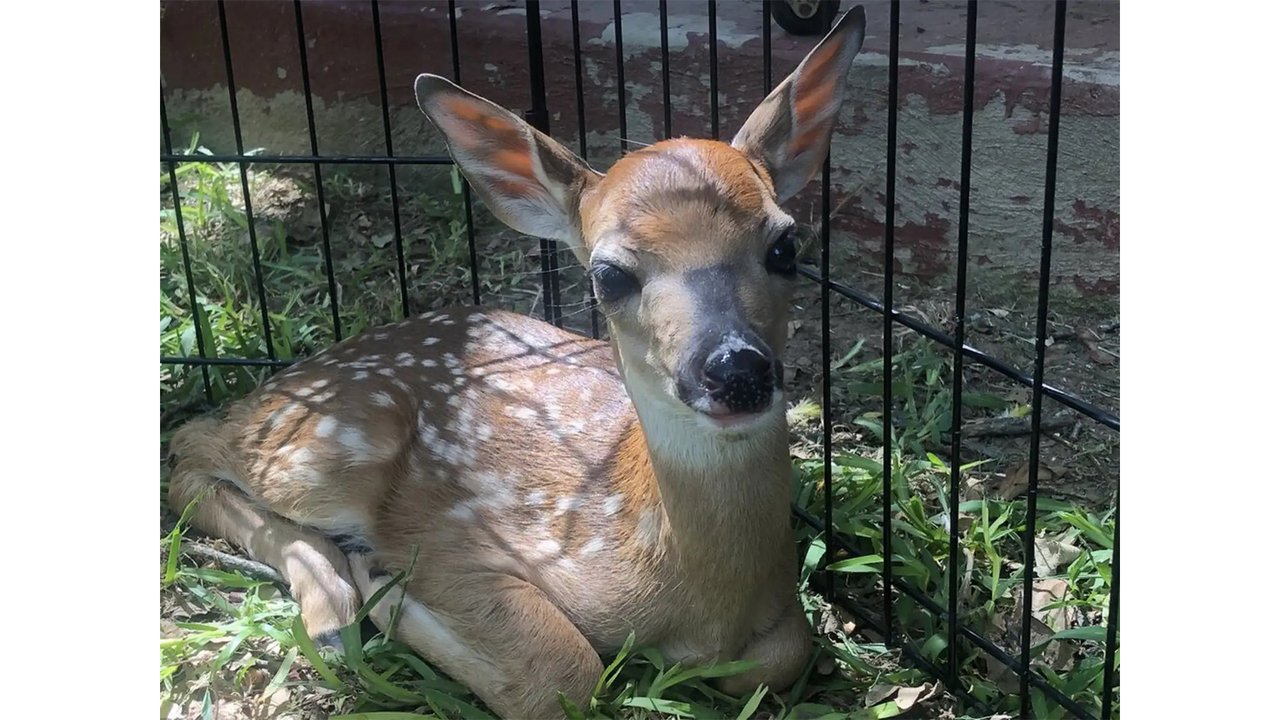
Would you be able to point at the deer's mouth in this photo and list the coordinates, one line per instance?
(722, 416)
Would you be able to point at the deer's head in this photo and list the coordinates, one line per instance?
(690, 252)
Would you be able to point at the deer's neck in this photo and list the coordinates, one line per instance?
(717, 490)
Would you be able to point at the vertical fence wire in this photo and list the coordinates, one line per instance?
(622, 83)
(1042, 313)
(715, 70)
(466, 187)
(402, 276)
(1113, 620)
(244, 182)
(890, 194)
(957, 377)
(538, 117)
(319, 177)
(828, 507)
(186, 251)
(666, 70)
(582, 136)
(767, 36)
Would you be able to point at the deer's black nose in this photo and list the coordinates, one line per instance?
(740, 378)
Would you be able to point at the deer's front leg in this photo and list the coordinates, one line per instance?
(496, 634)
(781, 653)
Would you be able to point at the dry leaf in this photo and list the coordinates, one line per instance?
(877, 694)
(907, 697)
(1045, 593)
(999, 312)
(1053, 553)
(1017, 481)
(972, 489)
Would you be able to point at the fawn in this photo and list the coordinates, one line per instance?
(556, 493)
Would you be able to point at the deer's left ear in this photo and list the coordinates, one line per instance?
(790, 132)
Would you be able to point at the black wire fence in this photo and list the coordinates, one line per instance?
(881, 620)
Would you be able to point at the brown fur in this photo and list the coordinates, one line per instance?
(547, 493)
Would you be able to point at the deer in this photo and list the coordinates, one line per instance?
(556, 495)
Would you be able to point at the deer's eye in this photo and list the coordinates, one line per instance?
(781, 258)
(612, 282)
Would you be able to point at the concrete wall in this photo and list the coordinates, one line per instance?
(1010, 125)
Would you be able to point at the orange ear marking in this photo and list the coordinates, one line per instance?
(515, 162)
(463, 109)
(812, 100)
(497, 124)
(819, 64)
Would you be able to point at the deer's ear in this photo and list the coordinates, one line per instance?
(790, 132)
(529, 181)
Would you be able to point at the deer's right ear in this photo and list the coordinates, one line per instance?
(790, 131)
(529, 181)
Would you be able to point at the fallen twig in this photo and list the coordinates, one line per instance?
(1014, 426)
(244, 566)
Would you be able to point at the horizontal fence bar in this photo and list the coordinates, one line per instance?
(310, 159)
(982, 358)
(924, 601)
(228, 362)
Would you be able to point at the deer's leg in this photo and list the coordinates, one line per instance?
(314, 567)
(497, 634)
(781, 652)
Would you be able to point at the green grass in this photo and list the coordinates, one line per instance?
(992, 529)
(228, 638)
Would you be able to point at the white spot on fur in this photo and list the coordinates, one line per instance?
(521, 413)
(484, 432)
(536, 498)
(568, 504)
(281, 414)
(354, 441)
(428, 362)
(295, 456)
(326, 426)
(430, 341)
(361, 375)
(592, 546)
(382, 398)
(462, 511)
(548, 547)
(613, 504)
(440, 388)
(388, 372)
(649, 527)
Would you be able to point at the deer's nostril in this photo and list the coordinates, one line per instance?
(742, 379)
